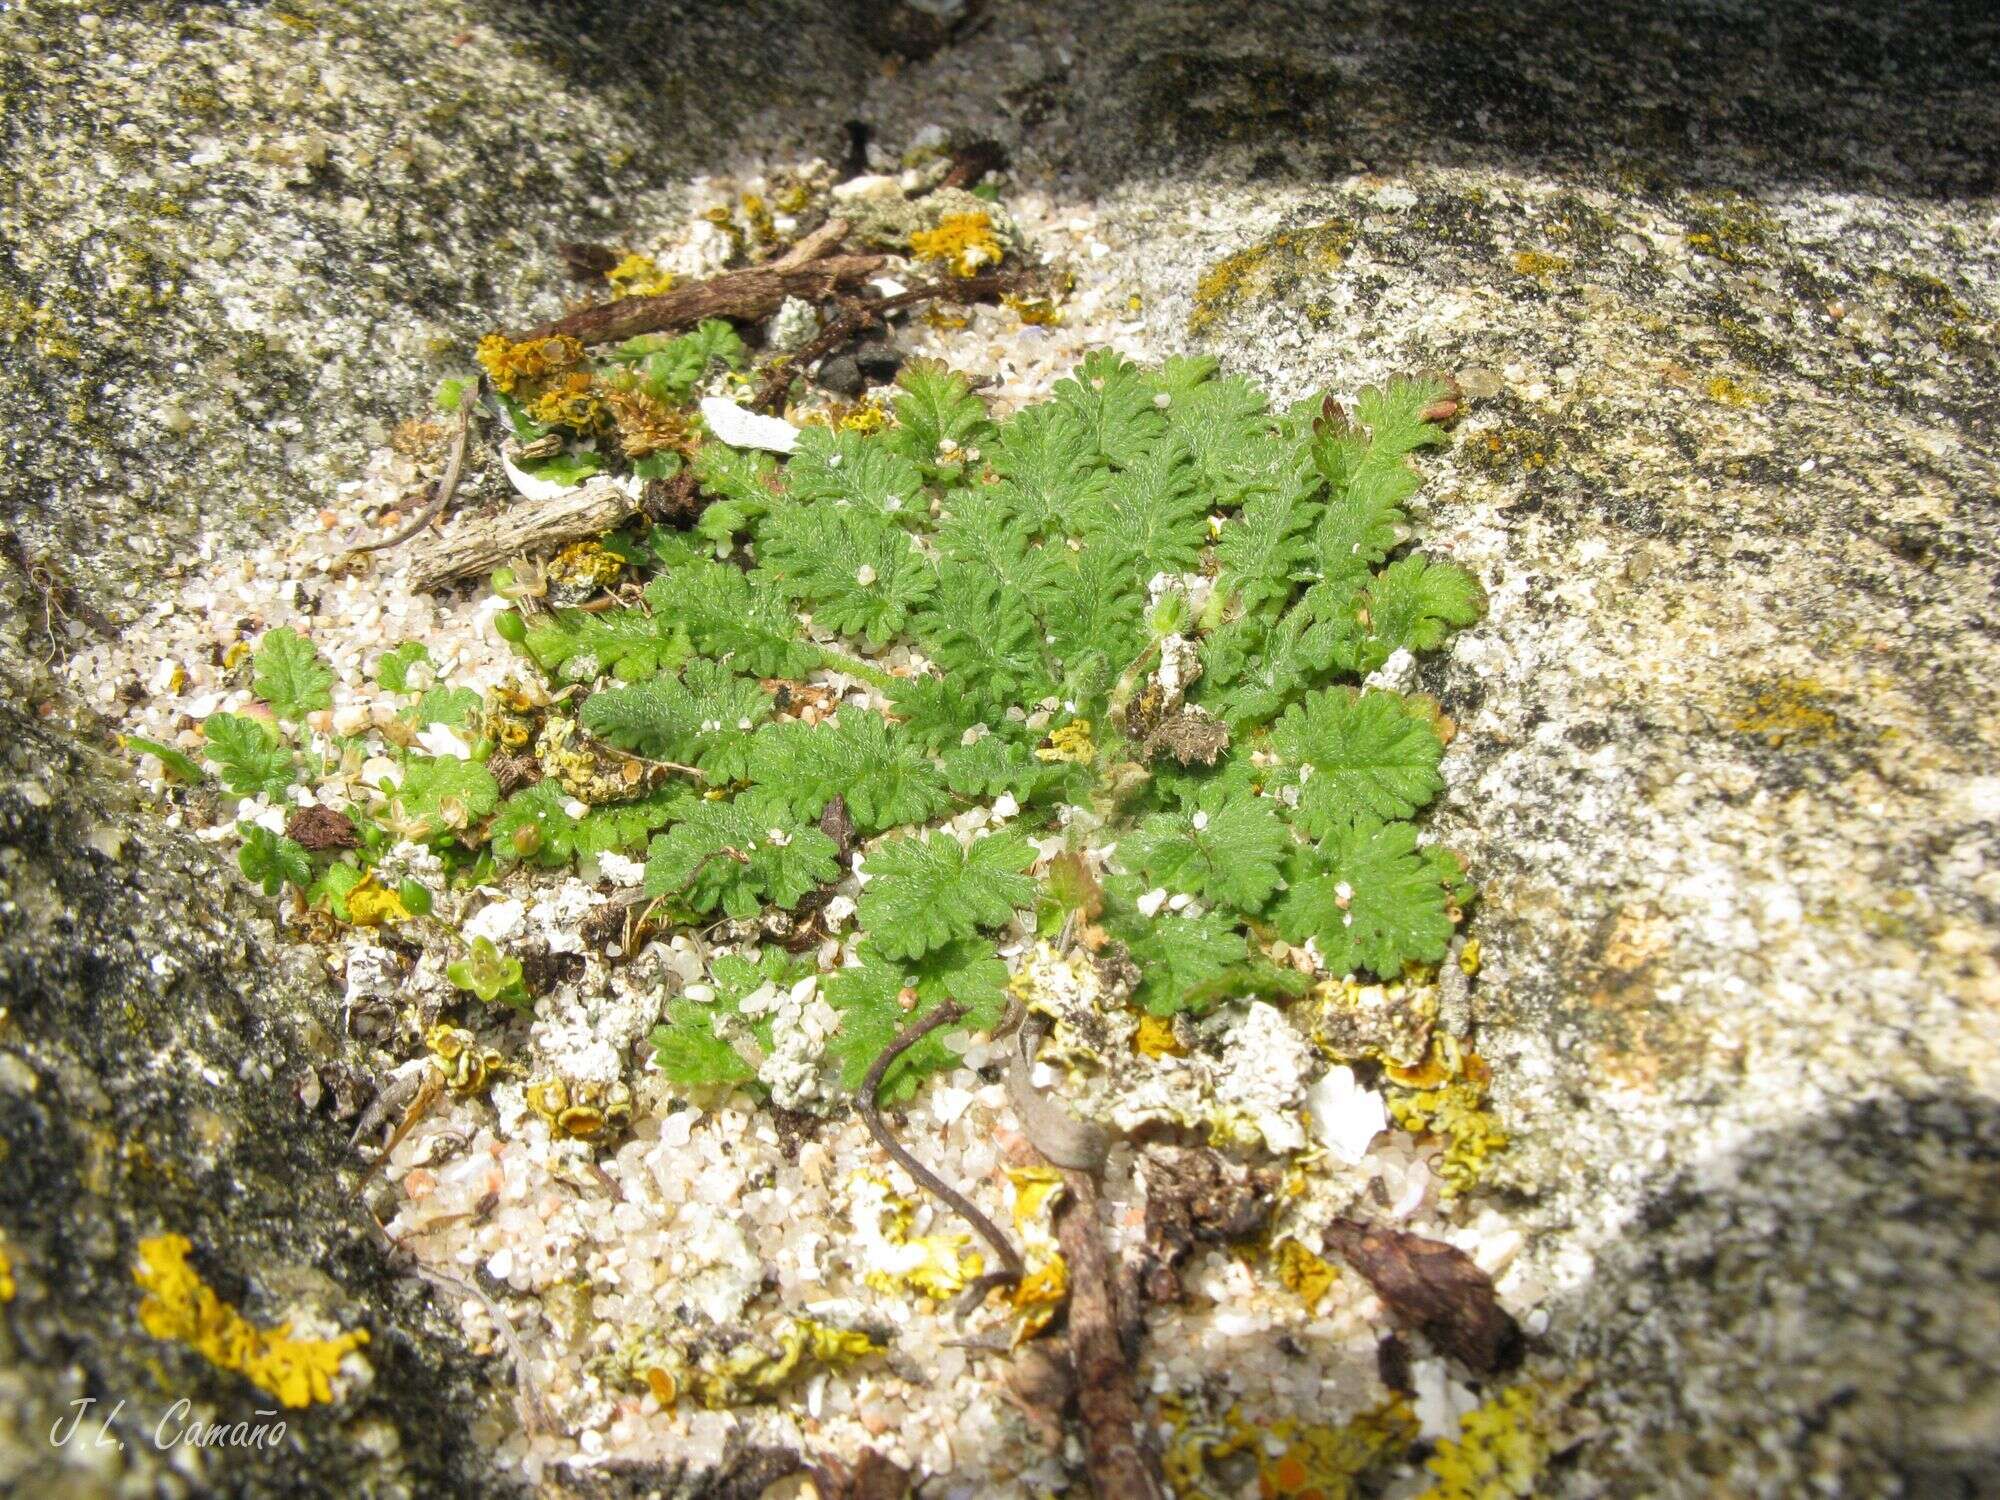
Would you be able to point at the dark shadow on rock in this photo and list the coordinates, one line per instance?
(1815, 1312)
(1654, 95)
(150, 1057)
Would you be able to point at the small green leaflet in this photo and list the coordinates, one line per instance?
(699, 1046)
(857, 755)
(575, 645)
(290, 676)
(702, 718)
(442, 794)
(869, 999)
(1353, 757)
(535, 823)
(937, 419)
(857, 570)
(738, 855)
(924, 892)
(271, 860)
(1371, 899)
(392, 668)
(249, 754)
(1111, 402)
(1225, 847)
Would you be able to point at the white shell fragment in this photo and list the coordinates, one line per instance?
(746, 429)
(1345, 1116)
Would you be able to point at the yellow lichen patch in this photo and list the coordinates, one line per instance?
(1791, 710)
(964, 242)
(586, 565)
(1324, 1462)
(1538, 264)
(863, 416)
(467, 1067)
(7, 1287)
(893, 1259)
(1072, 742)
(1267, 268)
(585, 1111)
(1445, 1097)
(638, 276)
(1155, 1038)
(576, 404)
(1303, 1272)
(372, 905)
(507, 363)
(1036, 312)
(1036, 1191)
(1733, 392)
(1037, 1297)
(20, 318)
(179, 1305)
(750, 1373)
(1468, 959)
(1499, 1453)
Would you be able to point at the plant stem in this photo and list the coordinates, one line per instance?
(871, 1115)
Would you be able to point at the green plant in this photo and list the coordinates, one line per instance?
(493, 976)
(290, 676)
(1141, 614)
(271, 860)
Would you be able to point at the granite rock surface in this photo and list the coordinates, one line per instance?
(1721, 285)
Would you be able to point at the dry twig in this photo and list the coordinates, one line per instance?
(480, 543)
(1115, 1455)
(447, 486)
(749, 295)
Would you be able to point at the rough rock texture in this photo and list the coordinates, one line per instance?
(1721, 282)
(238, 243)
(1722, 287)
(152, 1060)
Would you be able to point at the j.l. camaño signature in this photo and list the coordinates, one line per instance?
(178, 1427)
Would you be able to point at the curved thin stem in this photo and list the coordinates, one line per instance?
(871, 1114)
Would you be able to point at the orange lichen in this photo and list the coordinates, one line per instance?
(574, 403)
(507, 363)
(179, 1305)
(964, 242)
(645, 425)
(1323, 1462)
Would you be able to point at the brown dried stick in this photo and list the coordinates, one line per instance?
(477, 544)
(447, 486)
(858, 316)
(1116, 1458)
(747, 296)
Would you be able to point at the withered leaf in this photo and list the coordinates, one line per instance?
(838, 824)
(1196, 1194)
(320, 828)
(1434, 1288)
